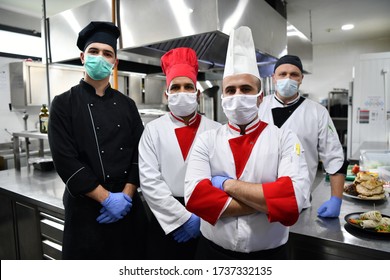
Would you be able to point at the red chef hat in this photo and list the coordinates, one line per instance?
(180, 62)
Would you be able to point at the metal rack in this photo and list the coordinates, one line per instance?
(338, 111)
(27, 135)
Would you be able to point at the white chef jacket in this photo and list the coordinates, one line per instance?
(315, 129)
(274, 154)
(162, 168)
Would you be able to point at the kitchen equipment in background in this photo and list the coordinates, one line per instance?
(26, 79)
(371, 160)
(209, 102)
(42, 164)
(369, 100)
(338, 111)
(384, 174)
(202, 25)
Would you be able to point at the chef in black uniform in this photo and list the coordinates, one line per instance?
(94, 132)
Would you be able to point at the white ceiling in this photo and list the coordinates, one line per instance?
(370, 17)
(319, 20)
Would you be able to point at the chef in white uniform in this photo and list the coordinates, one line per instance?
(163, 154)
(247, 180)
(313, 126)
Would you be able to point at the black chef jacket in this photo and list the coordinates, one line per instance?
(94, 140)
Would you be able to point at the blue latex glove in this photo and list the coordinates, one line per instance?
(105, 217)
(190, 229)
(118, 204)
(218, 181)
(330, 208)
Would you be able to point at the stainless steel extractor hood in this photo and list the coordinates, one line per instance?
(152, 27)
(298, 44)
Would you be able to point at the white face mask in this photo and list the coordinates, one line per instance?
(240, 109)
(182, 104)
(287, 87)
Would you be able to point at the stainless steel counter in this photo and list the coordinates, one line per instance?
(37, 187)
(336, 238)
(310, 238)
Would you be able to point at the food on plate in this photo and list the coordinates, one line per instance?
(371, 215)
(373, 220)
(368, 223)
(385, 221)
(351, 189)
(366, 186)
(355, 169)
(362, 190)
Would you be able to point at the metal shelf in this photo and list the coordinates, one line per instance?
(27, 135)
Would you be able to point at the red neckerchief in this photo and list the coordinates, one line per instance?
(185, 135)
(242, 147)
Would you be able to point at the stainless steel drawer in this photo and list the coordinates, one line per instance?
(52, 230)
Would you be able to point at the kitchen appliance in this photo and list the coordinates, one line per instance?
(149, 28)
(369, 115)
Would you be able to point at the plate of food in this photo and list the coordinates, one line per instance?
(373, 222)
(366, 186)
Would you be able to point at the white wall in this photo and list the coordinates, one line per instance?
(333, 63)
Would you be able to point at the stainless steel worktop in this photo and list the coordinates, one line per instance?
(46, 188)
(337, 232)
(37, 187)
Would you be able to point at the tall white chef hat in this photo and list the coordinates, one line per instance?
(241, 54)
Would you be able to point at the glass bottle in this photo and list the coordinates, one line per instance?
(43, 119)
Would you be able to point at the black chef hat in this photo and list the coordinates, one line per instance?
(289, 59)
(98, 31)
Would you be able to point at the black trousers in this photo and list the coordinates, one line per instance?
(86, 239)
(163, 247)
(208, 250)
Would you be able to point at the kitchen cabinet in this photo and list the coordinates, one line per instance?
(52, 229)
(32, 215)
(26, 221)
(338, 111)
(7, 230)
(29, 232)
(27, 82)
(20, 236)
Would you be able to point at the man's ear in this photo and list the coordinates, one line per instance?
(82, 58)
(116, 62)
(165, 95)
(198, 96)
(260, 98)
(273, 78)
